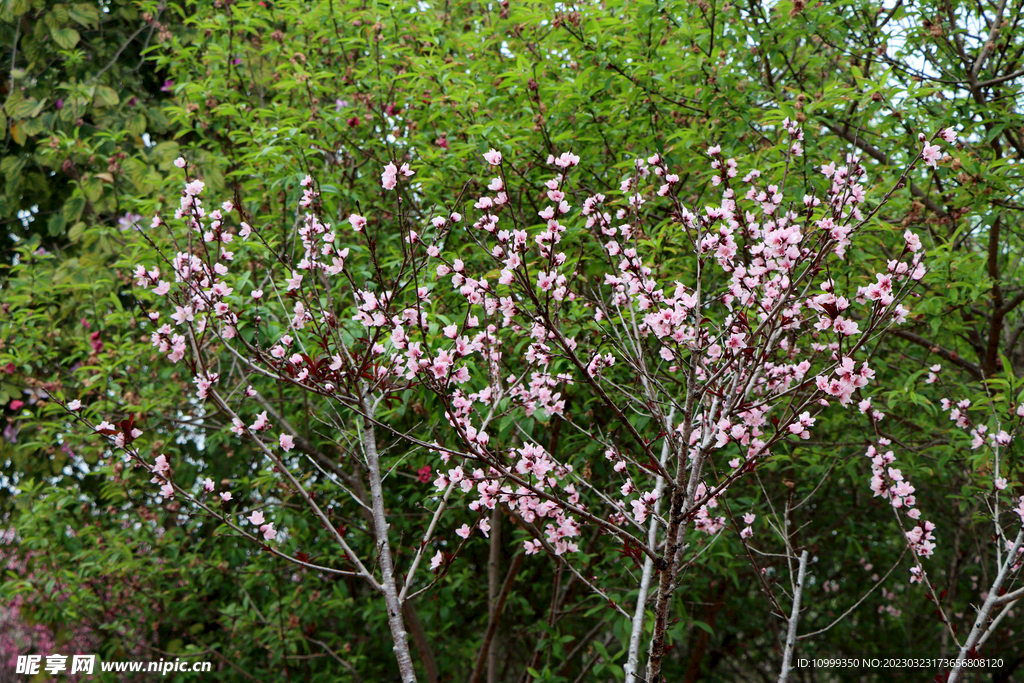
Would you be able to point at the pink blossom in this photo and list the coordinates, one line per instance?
(75, 405)
(256, 518)
(389, 178)
(931, 155)
(260, 423)
(912, 240)
(464, 531)
(287, 442)
(493, 157)
(639, 511)
(436, 561)
(566, 160)
(225, 496)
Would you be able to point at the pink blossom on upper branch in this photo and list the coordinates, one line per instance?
(436, 561)
(357, 222)
(493, 157)
(389, 177)
(160, 465)
(748, 530)
(565, 160)
(931, 155)
(261, 422)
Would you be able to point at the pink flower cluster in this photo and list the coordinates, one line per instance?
(266, 528)
(889, 482)
(703, 521)
(743, 340)
(389, 178)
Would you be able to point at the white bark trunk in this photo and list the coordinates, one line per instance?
(380, 523)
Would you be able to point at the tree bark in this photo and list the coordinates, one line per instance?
(794, 618)
(380, 524)
(493, 587)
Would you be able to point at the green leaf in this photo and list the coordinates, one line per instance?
(60, 15)
(13, 99)
(11, 167)
(73, 208)
(25, 108)
(34, 126)
(138, 173)
(93, 188)
(86, 15)
(137, 125)
(67, 38)
(19, 7)
(704, 627)
(56, 224)
(76, 231)
(106, 96)
(165, 152)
